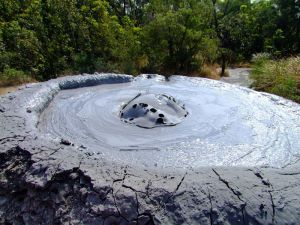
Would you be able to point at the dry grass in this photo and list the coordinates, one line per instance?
(242, 65)
(278, 77)
(210, 71)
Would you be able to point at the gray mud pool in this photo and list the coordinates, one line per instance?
(116, 149)
(224, 125)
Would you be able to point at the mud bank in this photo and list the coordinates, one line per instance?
(50, 175)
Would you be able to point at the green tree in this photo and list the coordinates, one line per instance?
(176, 38)
(49, 38)
(287, 35)
(227, 24)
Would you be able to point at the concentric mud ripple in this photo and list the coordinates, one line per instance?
(227, 125)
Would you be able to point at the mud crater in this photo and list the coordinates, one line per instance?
(189, 122)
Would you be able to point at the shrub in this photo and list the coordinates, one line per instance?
(11, 76)
(211, 71)
(261, 57)
(280, 77)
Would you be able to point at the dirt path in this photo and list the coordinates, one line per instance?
(238, 76)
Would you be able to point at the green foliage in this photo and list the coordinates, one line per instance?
(48, 38)
(21, 48)
(261, 58)
(11, 76)
(278, 77)
(179, 38)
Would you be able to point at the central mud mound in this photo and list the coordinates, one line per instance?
(226, 125)
(153, 110)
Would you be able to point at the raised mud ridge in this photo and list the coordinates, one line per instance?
(45, 180)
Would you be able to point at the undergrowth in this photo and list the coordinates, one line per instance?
(281, 77)
(12, 77)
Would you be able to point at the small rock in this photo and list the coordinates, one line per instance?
(2, 109)
(89, 153)
(215, 211)
(145, 219)
(65, 142)
(261, 207)
(83, 191)
(73, 176)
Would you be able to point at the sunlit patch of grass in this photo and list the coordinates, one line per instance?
(280, 77)
(13, 77)
(210, 71)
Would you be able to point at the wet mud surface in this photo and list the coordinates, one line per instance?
(5, 90)
(220, 129)
(66, 157)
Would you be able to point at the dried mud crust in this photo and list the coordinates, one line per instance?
(53, 182)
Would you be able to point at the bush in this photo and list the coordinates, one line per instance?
(11, 76)
(277, 77)
(210, 71)
(261, 57)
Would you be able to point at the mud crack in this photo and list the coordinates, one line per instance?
(267, 183)
(235, 192)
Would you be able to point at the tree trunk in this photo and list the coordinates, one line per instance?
(219, 35)
(223, 65)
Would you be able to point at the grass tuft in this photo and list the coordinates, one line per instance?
(13, 77)
(280, 77)
(210, 71)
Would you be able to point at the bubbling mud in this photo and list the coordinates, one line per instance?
(153, 110)
(217, 124)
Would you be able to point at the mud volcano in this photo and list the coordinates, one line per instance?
(113, 149)
(159, 110)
